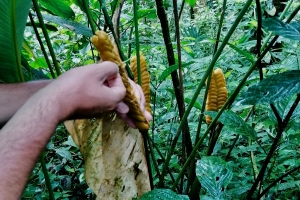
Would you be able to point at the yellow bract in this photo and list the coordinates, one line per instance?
(106, 50)
(217, 93)
(145, 78)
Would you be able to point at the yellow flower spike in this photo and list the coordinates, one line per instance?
(145, 78)
(107, 52)
(217, 93)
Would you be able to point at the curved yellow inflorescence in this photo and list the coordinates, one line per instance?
(145, 78)
(106, 50)
(217, 93)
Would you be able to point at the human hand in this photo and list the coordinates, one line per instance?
(86, 92)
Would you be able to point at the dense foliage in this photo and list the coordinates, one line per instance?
(252, 144)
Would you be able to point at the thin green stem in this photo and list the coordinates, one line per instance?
(227, 104)
(40, 17)
(89, 15)
(111, 28)
(276, 181)
(201, 84)
(46, 175)
(41, 45)
(137, 41)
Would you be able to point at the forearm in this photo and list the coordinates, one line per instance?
(22, 140)
(13, 96)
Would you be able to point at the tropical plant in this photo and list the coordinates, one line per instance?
(249, 150)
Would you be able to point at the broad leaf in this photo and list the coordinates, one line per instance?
(272, 89)
(71, 25)
(13, 20)
(58, 7)
(163, 194)
(278, 27)
(235, 123)
(191, 2)
(171, 69)
(214, 175)
(249, 56)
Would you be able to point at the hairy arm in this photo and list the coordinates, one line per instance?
(13, 96)
(91, 89)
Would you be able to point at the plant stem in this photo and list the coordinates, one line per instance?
(89, 15)
(38, 37)
(258, 38)
(227, 103)
(276, 181)
(175, 80)
(137, 41)
(111, 28)
(201, 84)
(40, 17)
(280, 128)
(46, 176)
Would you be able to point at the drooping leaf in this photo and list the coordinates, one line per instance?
(235, 123)
(171, 69)
(272, 89)
(163, 194)
(249, 56)
(26, 46)
(59, 7)
(71, 25)
(214, 175)
(191, 2)
(13, 20)
(278, 27)
(48, 26)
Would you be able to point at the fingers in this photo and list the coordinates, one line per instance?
(122, 108)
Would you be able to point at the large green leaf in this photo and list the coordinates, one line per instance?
(214, 175)
(13, 20)
(272, 89)
(58, 7)
(71, 25)
(235, 123)
(163, 194)
(278, 27)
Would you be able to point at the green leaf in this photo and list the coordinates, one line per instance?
(64, 152)
(272, 89)
(191, 2)
(27, 48)
(278, 27)
(149, 13)
(59, 7)
(249, 56)
(71, 25)
(48, 26)
(235, 123)
(13, 20)
(214, 175)
(171, 69)
(163, 194)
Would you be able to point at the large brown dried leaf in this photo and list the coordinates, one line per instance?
(115, 164)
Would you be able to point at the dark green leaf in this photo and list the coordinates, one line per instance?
(71, 25)
(13, 20)
(196, 104)
(235, 123)
(65, 153)
(163, 194)
(48, 26)
(278, 27)
(272, 89)
(214, 175)
(249, 56)
(58, 7)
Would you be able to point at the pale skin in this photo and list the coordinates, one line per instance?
(31, 112)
